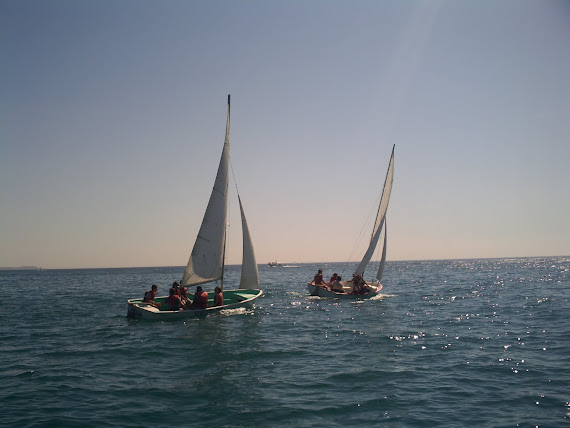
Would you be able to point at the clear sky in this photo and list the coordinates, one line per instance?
(112, 118)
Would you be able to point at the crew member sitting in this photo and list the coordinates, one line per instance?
(184, 299)
(318, 279)
(336, 285)
(176, 286)
(356, 284)
(173, 301)
(218, 296)
(200, 299)
(150, 295)
(359, 284)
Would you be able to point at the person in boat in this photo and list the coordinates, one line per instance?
(184, 299)
(360, 286)
(181, 293)
(356, 282)
(318, 279)
(336, 285)
(200, 299)
(176, 286)
(355, 285)
(218, 296)
(150, 295)
(333, 279)
(173, 301)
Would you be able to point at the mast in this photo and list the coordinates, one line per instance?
(226, 142)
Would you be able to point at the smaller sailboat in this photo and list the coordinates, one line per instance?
(357, 287)
(206, 263)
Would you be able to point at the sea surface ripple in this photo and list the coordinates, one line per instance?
(450, 343)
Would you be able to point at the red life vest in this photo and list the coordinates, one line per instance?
(201, 300)
(149, 296)
(174, 302)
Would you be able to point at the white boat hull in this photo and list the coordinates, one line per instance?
(140, 310)
(316, 290)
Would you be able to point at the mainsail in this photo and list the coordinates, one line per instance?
(206, 262)
(249, 272)
(380, 216)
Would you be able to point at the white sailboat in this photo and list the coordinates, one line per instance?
(379, 225)
(206, 263)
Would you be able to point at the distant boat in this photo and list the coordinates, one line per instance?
(206, 263)
(371, 289)
(274, 264)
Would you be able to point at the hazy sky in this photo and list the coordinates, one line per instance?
(113, 117)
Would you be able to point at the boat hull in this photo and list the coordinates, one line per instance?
(321, 291)
(233, 299)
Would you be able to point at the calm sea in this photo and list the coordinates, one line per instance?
(455, 343)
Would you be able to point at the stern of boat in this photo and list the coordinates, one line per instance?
(133, 311)
(313, 289)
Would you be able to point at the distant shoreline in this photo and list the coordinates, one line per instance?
(282, 264)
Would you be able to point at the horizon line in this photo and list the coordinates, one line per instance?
(40, 268)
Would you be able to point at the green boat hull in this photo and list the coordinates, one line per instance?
(233, 299)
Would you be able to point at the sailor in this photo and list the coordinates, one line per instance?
(150, 295)
(200, 299)
(318, 279)
(356, 281)
(218, 296)
(184, 299)
(176, 286)
(173, 300)
(336, 285)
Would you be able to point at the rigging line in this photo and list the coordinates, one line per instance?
(230, 205)
(234, 177)
(366, 224)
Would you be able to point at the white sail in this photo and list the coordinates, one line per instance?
(383, 259)
(382, 208)
(249, 273)
(206, 262)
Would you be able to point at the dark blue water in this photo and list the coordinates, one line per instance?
(451, 343)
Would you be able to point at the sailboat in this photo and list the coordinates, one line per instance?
(371, 289)
(206, 263)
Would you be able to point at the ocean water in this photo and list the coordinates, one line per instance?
(454, 343)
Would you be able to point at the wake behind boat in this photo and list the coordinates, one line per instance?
(206, 263)
(357, 287)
